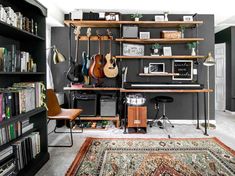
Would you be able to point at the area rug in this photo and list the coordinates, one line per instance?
(153, 157)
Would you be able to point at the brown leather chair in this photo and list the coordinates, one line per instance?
(55, 112)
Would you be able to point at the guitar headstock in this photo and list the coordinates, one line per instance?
(77, 32)
(98, 34)
(109, 32)
(88, 32)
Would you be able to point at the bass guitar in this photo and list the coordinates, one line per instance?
(98, 62)
(110, 68)
(74, 72)
(86, 60)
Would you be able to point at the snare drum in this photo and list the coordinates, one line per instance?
(135, 100)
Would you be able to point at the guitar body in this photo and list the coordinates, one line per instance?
(85, 58)
(92, 64)
(110, 68)
(74, 73)
(98, 66)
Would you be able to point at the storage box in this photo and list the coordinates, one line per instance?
(171, 34)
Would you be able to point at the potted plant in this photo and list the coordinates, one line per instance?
(155, 47)
(192, 46)
(136, 16)
(182, 29)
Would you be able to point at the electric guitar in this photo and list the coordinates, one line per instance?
(98, 62)
(86, 59)
(110, 68)
(74, 72)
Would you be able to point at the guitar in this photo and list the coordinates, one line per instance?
(86, 59)
(110, 68)
(74, 72)
(98, 62)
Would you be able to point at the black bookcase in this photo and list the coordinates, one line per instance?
(36, 46)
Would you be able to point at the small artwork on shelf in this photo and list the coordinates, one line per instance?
(133, 50)
(159, 18)
(184, 68)
(156, 67)
(167, 51)
(187, 18)
(144, 35)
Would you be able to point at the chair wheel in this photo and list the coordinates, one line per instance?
(173, 126)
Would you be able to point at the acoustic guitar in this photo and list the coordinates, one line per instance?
(86, 59)
(98, 62)
(74, 73)
(110, 68)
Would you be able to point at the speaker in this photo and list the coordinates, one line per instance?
(86, 102)
(108, 106)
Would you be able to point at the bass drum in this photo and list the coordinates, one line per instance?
(135, 100)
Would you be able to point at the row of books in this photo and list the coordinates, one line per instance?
(16, 19)
(20, 98)
(12, 60)
(19, 154)
(14, 130)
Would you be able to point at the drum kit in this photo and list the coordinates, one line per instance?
(135, 99)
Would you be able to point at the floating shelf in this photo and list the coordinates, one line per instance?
(92, 23)
(16, 33)
(160, 57)
(94, 38)
(158, 40)
(158, 74)
(91, 88)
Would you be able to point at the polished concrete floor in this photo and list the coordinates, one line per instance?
(61, 158)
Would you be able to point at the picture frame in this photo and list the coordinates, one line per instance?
(144, 35)
(167, 51)
(130, 31)
(156, 67)
(184, 68)
(112, 16)
(159, 18)
(187, 18)
(133, 49)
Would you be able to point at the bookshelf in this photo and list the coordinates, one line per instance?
(33, 42)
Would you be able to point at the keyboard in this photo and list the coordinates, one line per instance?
(135, 85)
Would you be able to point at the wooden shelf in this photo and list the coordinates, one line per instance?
(167, 90)
(92, 88)
(94, 38)
(95, 23)
(158, 40)
(115, 118)
(160, 57)
(16, 33)
(158, 74)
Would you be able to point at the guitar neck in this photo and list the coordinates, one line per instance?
(76, 50)
(88, 47)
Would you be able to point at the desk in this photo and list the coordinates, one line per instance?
(125, 91)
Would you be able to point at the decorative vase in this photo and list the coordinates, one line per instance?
(137, 19)
(155, 51)
(182, 34)
(193, 53)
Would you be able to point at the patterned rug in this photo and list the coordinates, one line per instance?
(153, 157)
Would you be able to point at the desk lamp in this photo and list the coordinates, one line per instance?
(57, 56)
(210, 61)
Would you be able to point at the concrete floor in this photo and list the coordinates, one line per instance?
(61, 158)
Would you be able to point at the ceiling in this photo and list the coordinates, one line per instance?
(223, 10)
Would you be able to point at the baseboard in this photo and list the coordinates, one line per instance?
(230, 112)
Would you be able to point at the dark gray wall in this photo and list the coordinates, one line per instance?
(183, 106)
(227, 36)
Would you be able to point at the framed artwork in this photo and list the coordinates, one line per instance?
(187, 18)
(184, 68)
(133, 50)
(144, 35)
(159, 18)
(167, 51)
(156, 67)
